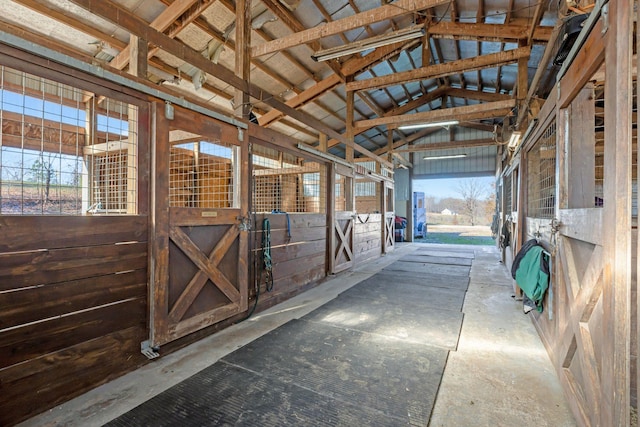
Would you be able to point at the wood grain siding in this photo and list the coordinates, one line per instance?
(368, 238)
(297, 260)
(73, 292)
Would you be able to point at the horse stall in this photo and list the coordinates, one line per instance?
(578, 184)
(134, 226)
(288, 210)
(74, 216)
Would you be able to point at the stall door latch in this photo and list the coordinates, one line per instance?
(245, 223)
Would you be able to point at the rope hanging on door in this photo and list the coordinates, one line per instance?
(266, 254)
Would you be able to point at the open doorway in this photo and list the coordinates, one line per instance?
(457, 210)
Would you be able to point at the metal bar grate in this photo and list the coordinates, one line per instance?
(542, 175)
(201, 175)
(284, 182)
(63, 150)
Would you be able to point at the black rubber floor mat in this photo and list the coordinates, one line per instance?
(456, 253)
(423, 278)
(426, 269)
(430, 259)
(226, 395)
(386, 288)
(398, 378)
(414, 324)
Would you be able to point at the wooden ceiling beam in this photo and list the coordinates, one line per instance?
(403, 109)
(350, 67)
(476, 94)
(467, 112)
(46, 9)
(285, 15)
(488, 32)
(444, 145)
(441, 70)
(113, 12)
(161, 23)
(407, 140)
(302, 98)
(399, 8)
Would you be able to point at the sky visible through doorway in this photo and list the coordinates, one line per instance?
(447, 187)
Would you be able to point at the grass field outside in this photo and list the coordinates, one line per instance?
(458, 235)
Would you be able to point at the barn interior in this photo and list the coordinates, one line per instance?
(184, 176)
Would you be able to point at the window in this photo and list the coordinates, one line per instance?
(63, 150)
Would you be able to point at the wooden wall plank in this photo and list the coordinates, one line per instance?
(34, 340)
(21, 269)
(42, 302)
(26, 233)
(40, 383)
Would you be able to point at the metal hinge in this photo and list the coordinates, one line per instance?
(148, 351)
(245, 223)
(605, 18)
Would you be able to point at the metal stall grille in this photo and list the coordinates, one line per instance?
(284, 182)
(542, 175)
(63, 150)
(507, 194)
(202, 175)
(599, 151)
(367, 191)
(367, 196)
(340, 193)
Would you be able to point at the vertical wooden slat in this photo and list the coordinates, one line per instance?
(637, 248)
(582, 151)
(138, 51)
(331, 216)
(617, 215)
(243, 256)
(160, 225)
(242, 105)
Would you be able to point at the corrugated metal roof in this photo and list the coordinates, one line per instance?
(288, 73)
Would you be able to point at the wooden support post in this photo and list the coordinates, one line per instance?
(580, 153)
(617, 215)
(523, 83)
(138, 56)
(349, 125)
(241, 100)
(324, 200)
(138, 67)
(331, 216)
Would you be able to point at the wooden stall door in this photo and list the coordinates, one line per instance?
(206, 276)
(343, 230)
(388, 229)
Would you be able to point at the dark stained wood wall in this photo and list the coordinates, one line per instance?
(297, 261)
(73, 292)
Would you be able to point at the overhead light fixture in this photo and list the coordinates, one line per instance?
(370, 43)
(445, 156)
(514, 139)
(429, 125)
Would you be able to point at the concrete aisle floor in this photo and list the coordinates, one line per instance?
(499, 376)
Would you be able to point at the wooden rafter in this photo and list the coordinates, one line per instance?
(351, 67)
(412, 105)
(132, 23)
(444, 145)
(382, 13)
(488, 32)
(161, 23)
(476, 94)
(285, 15)
(441, 70)
(468, 112)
